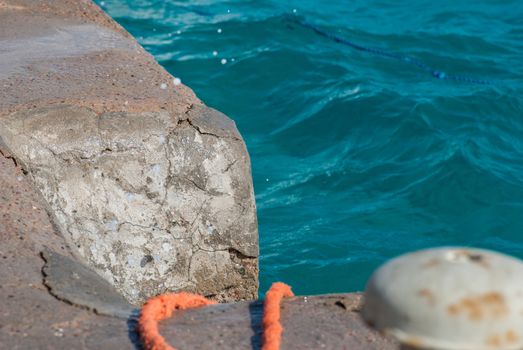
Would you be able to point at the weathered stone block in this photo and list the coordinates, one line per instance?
(154, 202)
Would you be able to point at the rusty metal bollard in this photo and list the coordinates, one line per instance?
(449, 299)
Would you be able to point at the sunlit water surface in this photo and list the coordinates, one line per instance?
(358, 156)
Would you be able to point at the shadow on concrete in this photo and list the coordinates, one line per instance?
(132, 323)
(256, 315)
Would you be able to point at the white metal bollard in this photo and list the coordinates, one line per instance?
(449, 299)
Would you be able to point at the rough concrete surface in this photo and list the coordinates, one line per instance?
(68, 315)
(30, 317)
(320, 322)
(73, 283)
(147, 185)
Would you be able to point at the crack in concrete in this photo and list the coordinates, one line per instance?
(194, 184)
(49, 288)
(197, 128)
(9, 157)
(229, 166)
(189, 121)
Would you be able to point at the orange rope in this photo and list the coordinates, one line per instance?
(272, 328)
(161, 307)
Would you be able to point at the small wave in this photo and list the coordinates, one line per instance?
(363, 140)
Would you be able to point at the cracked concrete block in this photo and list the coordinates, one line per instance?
(147, 185)
(154, 202)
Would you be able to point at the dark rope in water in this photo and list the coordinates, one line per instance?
(379, 52)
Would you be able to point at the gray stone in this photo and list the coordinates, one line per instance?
(153, 202)
(148, 186)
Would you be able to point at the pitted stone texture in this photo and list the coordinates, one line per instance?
(154, 202)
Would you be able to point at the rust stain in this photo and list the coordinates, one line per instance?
(476, 308)
(511, 336)
(497, 340)
(494, 340)
(414, 342)
(431, 263)
(427, 295)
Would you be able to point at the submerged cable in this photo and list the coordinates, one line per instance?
(435, 73)
(379, 52)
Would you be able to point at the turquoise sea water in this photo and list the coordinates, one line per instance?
(358, 155)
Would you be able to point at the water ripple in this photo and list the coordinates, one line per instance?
(358, 157)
